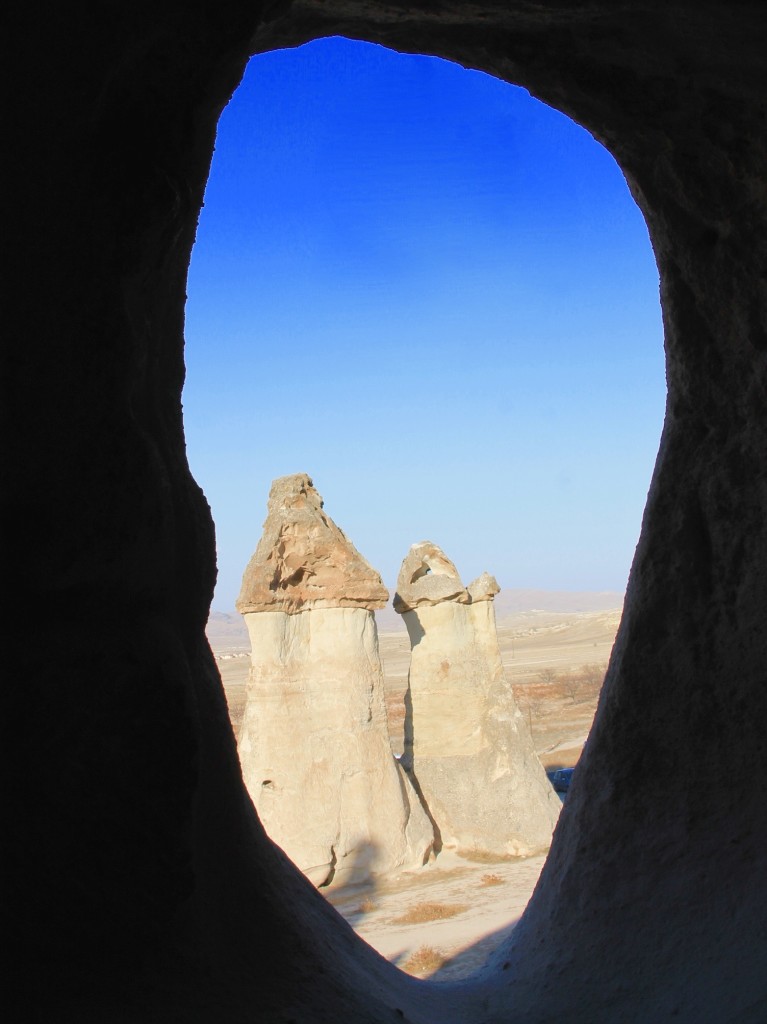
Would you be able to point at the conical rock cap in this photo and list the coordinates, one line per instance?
(304, 560)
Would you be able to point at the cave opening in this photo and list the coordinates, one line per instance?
(354, 262)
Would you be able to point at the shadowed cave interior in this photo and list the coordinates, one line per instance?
(139, 884)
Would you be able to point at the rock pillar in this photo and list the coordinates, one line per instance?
(466, 742)
(314, 744)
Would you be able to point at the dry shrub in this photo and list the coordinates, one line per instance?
(491, 880)
(425, 960)
(419, 913)
(367, 906)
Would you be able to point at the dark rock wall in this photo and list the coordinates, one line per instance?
(138, 885)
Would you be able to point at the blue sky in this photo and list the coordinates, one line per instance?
(436, 296)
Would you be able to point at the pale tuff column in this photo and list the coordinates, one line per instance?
(314, 744)
(466, 743)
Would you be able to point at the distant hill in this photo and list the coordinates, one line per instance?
(227, 630)
(512, 601)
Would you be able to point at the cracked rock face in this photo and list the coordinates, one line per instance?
(466, 742)
(314, 743)
(304, 560)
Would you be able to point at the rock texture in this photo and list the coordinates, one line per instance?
(466, 742)
(304, 560)
(314, 744)
(138, 884)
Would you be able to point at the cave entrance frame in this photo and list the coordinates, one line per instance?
(584, 88)
(652, 903)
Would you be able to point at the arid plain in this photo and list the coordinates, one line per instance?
(444, 920)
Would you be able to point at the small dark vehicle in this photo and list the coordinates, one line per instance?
(561, 779)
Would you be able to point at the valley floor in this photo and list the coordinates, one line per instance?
(444, 920)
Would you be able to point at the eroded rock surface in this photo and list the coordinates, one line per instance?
(466, 742)
(304, 560)
(314, 743)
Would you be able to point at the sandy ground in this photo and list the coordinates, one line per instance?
(489, 899)
(556, 662)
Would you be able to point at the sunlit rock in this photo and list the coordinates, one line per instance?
(466, 742)
(314, 744)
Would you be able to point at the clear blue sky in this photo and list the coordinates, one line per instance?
(436, 296)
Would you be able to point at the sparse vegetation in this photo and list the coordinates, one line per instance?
(367, 906)
(425, 960)
(547, 675)
(491, 880)
(420, 913)
(592, 677)
(581, 686)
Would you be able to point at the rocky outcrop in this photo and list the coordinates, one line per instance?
(466, 742)
(304, 560)
(314, 744)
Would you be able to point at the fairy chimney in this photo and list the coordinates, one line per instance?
(314, 744)
(467, 744)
